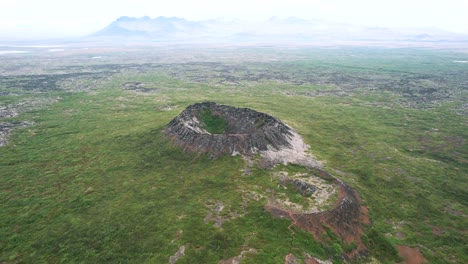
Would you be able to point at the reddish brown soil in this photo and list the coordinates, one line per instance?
(347, 219)
(411, 255)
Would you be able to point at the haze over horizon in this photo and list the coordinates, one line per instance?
(28, 19)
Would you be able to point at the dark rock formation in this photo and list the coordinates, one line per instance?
(305, 188)
(139, 87)
(248, 132)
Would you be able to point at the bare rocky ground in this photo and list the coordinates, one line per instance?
(18, 79)
(8, 112)
(297, 153)
(415, 90)
(7, 128)
(140, 88)
(180, 253)
(30, 104)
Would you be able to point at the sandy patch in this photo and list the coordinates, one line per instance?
(295, 154)
(180, 253)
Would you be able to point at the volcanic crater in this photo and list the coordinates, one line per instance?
(218, 129)
(225, 130)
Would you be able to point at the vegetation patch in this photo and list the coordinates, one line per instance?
(214, 124)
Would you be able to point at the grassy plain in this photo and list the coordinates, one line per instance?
(94, 180)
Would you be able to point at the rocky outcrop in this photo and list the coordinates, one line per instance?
(305, 188)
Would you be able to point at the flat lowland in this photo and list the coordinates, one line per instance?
(88, 174)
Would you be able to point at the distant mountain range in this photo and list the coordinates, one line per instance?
(274, 30)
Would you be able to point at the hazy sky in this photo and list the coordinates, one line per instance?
(36, 18)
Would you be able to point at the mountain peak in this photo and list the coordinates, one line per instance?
(124, 18)
(274, 30)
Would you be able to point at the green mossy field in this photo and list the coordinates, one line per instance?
(95, 180)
